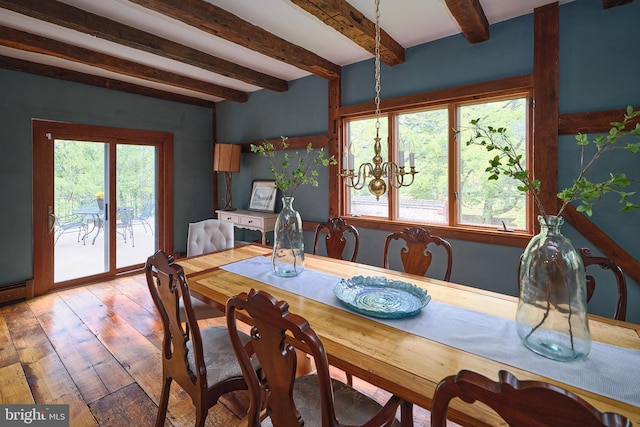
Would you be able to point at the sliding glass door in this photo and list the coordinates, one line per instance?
(80, 228)
(99, 193)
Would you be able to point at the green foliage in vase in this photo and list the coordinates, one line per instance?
(584, 191)
(297, 168)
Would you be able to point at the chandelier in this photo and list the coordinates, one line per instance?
(395, 173)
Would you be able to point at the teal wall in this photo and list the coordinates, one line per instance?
(24, 97)
(598, 71)
(301, 111)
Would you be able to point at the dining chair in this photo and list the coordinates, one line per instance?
(415, 256)
(335, 240)
(620, 312)
(588, 259)
(209, 235)
(519, 403)
(202, 362)
(335, 232)
(310, 400)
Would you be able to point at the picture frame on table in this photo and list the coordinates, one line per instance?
(263, 196)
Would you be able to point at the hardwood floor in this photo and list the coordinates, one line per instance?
(97, 349)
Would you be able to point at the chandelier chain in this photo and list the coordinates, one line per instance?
(377, 66)
(378, 169)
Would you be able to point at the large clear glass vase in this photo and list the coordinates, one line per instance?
(288, 243)
(551, 319)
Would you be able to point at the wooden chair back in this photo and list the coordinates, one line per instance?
(335, 240)
(168, 288)
(183, 357)
(620, 312)
(415, 256)
(271, 322)
(273, 328)
(520, 403)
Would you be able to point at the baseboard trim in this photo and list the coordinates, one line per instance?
(15, 292)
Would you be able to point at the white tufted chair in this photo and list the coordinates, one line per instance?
(207, 236)
(210, 235)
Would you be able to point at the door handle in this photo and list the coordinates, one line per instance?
(51, 219)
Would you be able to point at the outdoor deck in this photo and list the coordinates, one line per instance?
(75, 258)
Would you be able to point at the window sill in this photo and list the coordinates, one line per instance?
(472, 234)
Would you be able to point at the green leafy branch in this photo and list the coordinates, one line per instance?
(296, 169)
(510, 163)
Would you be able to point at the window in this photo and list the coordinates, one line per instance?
(452, 188)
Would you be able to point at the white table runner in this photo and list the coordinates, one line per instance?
(608, 370)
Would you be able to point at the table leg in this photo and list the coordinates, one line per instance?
(97, 224)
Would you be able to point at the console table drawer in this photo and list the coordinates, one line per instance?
(228, 217)
(251, 221)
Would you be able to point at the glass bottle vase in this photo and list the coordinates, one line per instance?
(288, 244)
(551, 318)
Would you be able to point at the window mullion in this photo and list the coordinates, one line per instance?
(454, 166)
(392, 142)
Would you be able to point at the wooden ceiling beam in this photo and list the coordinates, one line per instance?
(220, 23)
(350, 22)
(607, 4)
(79, 20)
(17, 39)
(471, 19)
(104, 82)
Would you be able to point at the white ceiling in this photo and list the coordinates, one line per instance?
(409, 22)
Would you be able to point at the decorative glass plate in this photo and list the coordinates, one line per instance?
(381, 297)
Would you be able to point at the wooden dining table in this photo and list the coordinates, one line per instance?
(405, 364)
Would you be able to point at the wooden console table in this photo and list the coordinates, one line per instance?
(256, 221)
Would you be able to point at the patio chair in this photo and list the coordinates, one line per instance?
(69, 224)
(143, 218)
(124, 224)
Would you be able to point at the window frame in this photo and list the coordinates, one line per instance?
(521, 86)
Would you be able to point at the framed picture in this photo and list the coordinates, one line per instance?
(263, 196)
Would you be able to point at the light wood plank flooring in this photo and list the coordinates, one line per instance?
(97, 348)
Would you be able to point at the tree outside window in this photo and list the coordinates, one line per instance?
(451, 188)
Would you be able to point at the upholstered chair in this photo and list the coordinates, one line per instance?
(210, 235)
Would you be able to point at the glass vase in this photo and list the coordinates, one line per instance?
(288, 244)
(551, 319)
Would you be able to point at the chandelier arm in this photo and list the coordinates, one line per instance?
(357, 180)
(396, 175)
